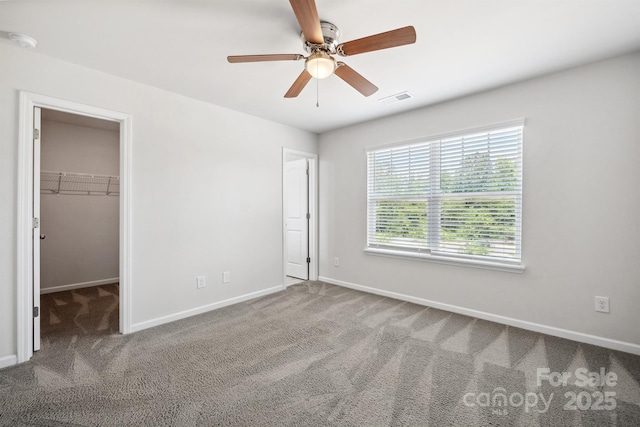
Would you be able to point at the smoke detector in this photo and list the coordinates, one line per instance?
(23, 40)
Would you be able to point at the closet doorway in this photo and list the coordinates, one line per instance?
(68, 192)
(79, 222)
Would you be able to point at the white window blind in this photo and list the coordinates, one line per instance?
(455, 196)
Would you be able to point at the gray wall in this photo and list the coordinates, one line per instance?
(82, 230)
(206, 189)
(581, 203)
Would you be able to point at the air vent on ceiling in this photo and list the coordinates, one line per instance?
(402, 96)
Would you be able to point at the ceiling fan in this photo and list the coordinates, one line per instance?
(320, 42)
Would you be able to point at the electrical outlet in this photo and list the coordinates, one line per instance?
(602, 304)
(226, 277)
(336, 262)
(200, 283)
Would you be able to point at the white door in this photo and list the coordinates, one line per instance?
(296, 184)
(37, 232)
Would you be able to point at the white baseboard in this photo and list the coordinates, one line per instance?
(531, 326)
(78, 285)
(203, 309)
(7, 361)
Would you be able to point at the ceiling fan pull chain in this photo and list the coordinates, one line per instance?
(317, 90)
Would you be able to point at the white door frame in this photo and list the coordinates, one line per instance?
(313, 210)
(25, 297)
(37, 158)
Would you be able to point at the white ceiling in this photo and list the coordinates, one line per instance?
(463, 47)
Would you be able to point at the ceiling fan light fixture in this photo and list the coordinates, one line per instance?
(320, 65)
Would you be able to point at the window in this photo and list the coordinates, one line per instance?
(457, 196)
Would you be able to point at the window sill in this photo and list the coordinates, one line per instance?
(472, 263)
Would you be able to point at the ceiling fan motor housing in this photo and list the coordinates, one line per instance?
(331, 35)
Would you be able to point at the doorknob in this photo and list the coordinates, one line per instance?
(42, 236)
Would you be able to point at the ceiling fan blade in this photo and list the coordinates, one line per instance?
(261, 58)
(307, 15)
(298, 85)
(355, 80)
(393, 38)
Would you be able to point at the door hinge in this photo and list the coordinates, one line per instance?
(308, 216)
(36, 222)
(307, 171)
(36, 311)
(36, 134)
(308, 260)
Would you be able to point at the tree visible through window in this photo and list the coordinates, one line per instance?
(454, 196)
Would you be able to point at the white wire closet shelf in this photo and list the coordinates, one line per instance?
(79, 183)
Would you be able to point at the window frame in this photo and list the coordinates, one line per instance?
(434, 202)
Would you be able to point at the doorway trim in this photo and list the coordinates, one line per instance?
(313, 210)
(24, 270)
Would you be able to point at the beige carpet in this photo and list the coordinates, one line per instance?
(313, 355)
